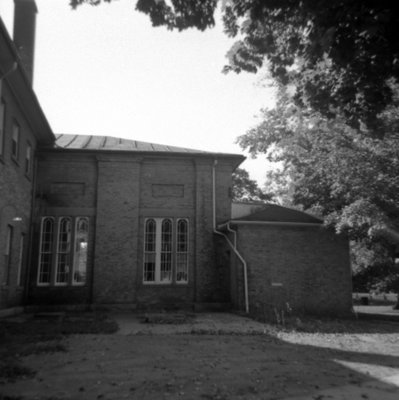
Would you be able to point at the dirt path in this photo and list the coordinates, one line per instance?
(271, 364)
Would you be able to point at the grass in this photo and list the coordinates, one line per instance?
(20, 337)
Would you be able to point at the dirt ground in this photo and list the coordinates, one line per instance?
(216, 356)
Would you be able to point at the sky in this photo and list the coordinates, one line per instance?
(106, 71)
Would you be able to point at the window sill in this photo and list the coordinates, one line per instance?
(160, 284)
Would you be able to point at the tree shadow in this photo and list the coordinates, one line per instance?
(357, 324)
(219, 364)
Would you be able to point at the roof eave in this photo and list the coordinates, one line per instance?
(240, 158)
(22, 88)
(275, 223)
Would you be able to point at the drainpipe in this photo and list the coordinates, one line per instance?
(232, 246)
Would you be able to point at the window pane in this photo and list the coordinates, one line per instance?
(149, 251)
(150, 235)
(182, 251)
(63, 251)
(166, 251)
(80, 254)
(149, 267)
(181, 267)
(46, 245)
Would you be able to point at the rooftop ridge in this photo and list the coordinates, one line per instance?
(112, 143)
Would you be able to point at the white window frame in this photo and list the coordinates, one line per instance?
(75, 261)
(164, 252)
(62, 253)
(41, 252)
(181, 253)
(57, 251)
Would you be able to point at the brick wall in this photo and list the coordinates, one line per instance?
(305, 269)
(66, 187)
(15, 203)
(115, 275)
(119, 192)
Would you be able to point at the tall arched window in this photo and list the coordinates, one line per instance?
(182, 251)
(165, 250)
(149, 250)
(63, 262)
(80, 250)
(46, 251)
(63, 251)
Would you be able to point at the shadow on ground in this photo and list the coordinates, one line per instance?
(272, 363)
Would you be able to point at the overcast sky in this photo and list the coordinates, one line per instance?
(105, 71)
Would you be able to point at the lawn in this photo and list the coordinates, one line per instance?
(81, 358)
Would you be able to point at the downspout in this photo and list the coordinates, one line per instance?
(232, 246)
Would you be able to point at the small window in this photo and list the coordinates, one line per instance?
(2, 125)
(46, 251)
(15, 140)
(28, 159)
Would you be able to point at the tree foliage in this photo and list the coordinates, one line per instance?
(351, 177)
(338, 55)
(247, 189)
(348, 176)
(373, 268)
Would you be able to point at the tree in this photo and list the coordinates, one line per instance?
(247, 189)
(337, 55)
(348, 176)
(373, 268)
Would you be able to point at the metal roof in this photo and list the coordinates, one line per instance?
(276, 213)
(110, 143)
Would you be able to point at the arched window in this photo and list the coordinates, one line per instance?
(46, 251)
(182, 251)
(80, 250)
(149, 250)
(63, 262)
(165, 250)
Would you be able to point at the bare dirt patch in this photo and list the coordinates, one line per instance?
(207, 360)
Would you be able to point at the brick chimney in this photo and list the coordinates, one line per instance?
(24, 33)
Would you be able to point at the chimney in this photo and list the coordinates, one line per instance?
(24, 33)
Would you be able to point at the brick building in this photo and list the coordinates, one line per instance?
(88, 220)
